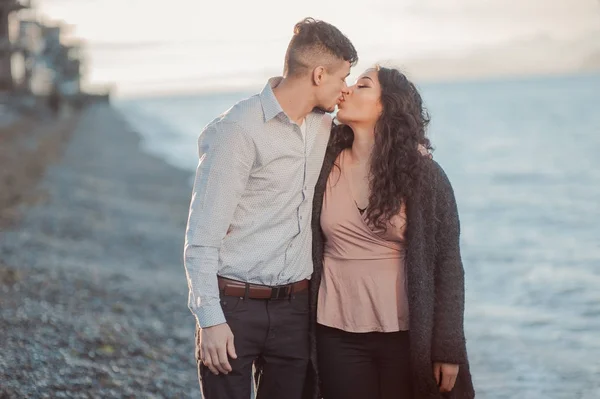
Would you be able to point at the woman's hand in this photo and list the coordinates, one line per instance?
(445, 375)
(424, 151)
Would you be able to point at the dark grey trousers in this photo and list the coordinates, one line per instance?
(271, 334)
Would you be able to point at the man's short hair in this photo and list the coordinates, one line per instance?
(316, 43)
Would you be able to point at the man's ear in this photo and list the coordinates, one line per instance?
(317, 75)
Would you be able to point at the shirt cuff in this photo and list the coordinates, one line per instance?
(210, 315)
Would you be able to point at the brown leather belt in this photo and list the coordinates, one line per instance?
(255, 291)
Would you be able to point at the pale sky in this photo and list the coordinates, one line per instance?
(144, 46)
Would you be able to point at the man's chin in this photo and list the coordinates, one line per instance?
(328, 110)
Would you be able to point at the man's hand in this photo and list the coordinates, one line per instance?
(213, 345)
(445, 375)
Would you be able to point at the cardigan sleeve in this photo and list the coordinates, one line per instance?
(448, 344)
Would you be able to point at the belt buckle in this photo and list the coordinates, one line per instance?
(279, 293)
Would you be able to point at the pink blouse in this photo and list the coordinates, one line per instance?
(363, 288)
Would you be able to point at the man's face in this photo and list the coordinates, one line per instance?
(333, 86)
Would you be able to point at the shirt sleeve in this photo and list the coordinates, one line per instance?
(226, 156)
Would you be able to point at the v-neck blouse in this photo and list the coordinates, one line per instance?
(363, 288)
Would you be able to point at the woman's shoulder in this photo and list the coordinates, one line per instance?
(436, 177)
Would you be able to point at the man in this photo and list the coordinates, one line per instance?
(248, 240)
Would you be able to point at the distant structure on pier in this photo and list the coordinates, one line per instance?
(37, 59)
(8, 11)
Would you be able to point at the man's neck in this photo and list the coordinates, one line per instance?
(294, 98)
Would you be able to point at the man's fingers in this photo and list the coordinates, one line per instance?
(222, 362)
(208, 362)
(231, 348)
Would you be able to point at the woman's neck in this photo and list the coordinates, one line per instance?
(362, 146)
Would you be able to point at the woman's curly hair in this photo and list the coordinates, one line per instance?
(397, 165)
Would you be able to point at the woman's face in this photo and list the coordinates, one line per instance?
(362, 106)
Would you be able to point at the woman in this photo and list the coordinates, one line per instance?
(388, 290)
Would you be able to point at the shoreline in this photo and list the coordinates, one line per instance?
(92, 284)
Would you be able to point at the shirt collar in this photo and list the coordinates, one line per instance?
(270, 105)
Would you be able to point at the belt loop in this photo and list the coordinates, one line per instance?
(292, 296)
(246, 291)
